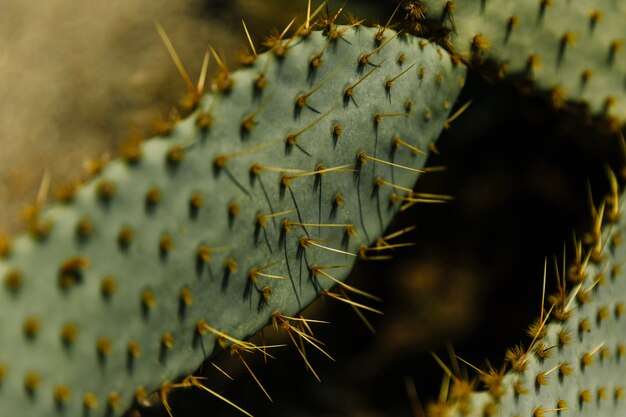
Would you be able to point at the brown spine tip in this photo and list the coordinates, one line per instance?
(65, 193)
(201, 327)
(594, 17)
(316, 61)
(512, 22)
(5, 245)
(203, 254)
(233, 210)
(338, 200)
(253, 275)
(533, 63)
(204, 120)
(584, 325)
(153, 196)
(148, 300)
(615, 47)
(186, 297)
(520, 389)
(84, 228)
(557, 96)
(32, 382)
(62, 394)
(255, 169)
(39, 229)
(281, 50)
(480, 43)
(104, 347)
(219, 162)
(166, 244)
(196, 201)
(70, 272)
(285, 225)
(231, 265)
(105, 190)
(585, 76)
(3, 371)
(31, 327)
(247, 59)
(134, 349)
(175, 155)
(565, 337)
(141, 395)
(108, 287)
(167, 341)
(261, 221)
(248, 124)
(516, 356)
(131, 151)
(337, 131)
(69, 334)
(292, 139)
(260, 83)
(541, 378)
(585, 396)
(266, 292)
(13, 280)
(90, 401)
(543, 351)
(114, 401)
(125, 236)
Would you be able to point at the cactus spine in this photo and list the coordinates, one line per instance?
(245, 211)
(571, 51)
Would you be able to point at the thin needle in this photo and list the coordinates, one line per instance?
(175, 58)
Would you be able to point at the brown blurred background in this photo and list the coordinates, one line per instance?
(77, 78)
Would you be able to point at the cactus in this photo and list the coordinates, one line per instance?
(572, 51)
(241, 214)
(575, 363)
(258, 202)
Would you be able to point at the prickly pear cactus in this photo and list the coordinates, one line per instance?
(576, 364)
(573, 50)
(260, 200)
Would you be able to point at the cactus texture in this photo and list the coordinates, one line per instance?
(570, 50)
(260, 200)
(575, 365)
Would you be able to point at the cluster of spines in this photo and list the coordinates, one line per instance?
(566, 348)
(72, 270)
(485, 35)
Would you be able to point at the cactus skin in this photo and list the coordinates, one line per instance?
(102, 299)
(577, 364)
(570, 50)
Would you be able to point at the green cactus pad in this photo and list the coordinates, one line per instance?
(289, 167)
(577, 364)
(573, 50)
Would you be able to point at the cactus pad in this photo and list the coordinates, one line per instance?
(572, 50)
(265, 196)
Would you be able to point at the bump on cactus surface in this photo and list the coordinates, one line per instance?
(575, 363)
(570, 50)
(289, 170)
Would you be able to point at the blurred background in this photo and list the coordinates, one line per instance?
(77, 78)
